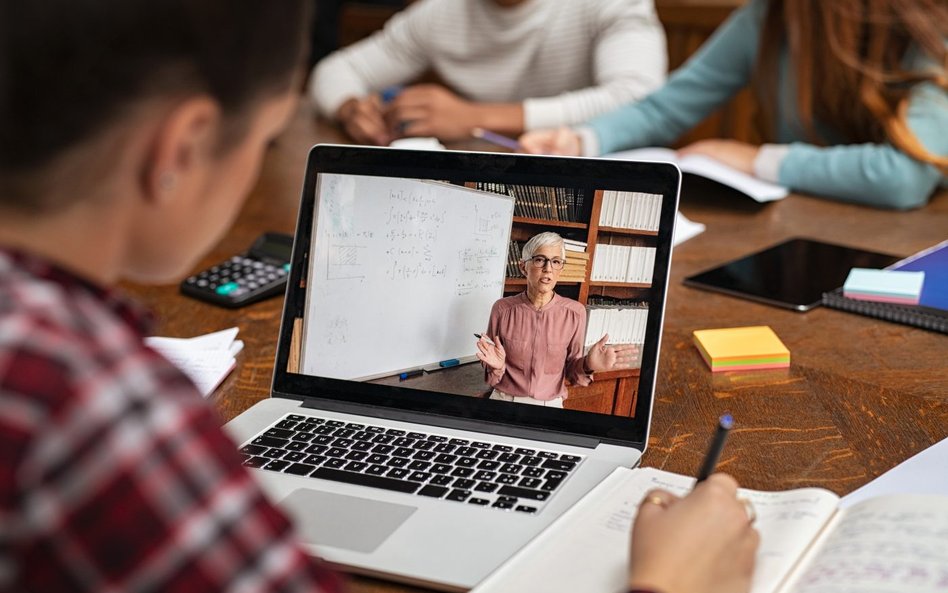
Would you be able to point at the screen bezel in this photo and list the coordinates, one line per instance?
(657, 178)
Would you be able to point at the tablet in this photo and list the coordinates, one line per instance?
(793, 274)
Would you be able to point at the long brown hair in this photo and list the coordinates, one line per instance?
(847, 58)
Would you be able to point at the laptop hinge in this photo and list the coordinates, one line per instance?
(452, 422)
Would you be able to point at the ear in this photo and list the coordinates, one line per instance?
(523, 267)
(182, 142)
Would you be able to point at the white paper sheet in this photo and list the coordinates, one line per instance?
(206, 360)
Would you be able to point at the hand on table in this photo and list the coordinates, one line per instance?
(735, 154)
(430, 110)
(602, 357)
(493, 355)
(702, 543)
(558, 141)
(363, 120)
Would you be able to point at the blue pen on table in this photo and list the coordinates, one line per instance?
(725, 423)
(410, 374)
(495, 138)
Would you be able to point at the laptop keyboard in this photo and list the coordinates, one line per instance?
(462, 470)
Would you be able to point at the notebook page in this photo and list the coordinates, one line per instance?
(595, 535)
(890, 544)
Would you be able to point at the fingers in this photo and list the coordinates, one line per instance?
(566, 142)
(602, 342)
(362, 119)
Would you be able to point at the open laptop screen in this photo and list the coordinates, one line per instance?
(401, 256)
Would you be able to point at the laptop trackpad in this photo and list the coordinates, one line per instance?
(349, 522)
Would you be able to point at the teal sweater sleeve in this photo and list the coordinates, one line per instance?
(718, 70)
(875, 174)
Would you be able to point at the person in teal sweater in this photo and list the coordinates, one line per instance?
(855, 96)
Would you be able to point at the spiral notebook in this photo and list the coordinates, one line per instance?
(932, 311)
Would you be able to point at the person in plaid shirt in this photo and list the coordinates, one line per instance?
(130, 133)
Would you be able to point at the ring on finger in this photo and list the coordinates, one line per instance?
(748, 508)
(657, 500)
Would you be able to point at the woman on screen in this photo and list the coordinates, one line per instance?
(534, 340)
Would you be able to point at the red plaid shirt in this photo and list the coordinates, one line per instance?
(114, 473)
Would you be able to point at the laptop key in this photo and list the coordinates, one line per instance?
(397, 462)
(440, 468)
(252, 449)
(356, 455)
(528, 493)
(508, 458)
(376, 458)
(445, 448)
(530, 482)
(286, 424)
(502, 505)
(317, 449)
(488, 465)
(464, 451)
(419, 465)
(462, 472)
(276, 465)
(295, 446)
(274, 453)
(355, 426)
(551, 485)
(294, 456)
(433, 491)
(269, 441)
(459, 495)
(558, 465)
(479, 501)
(376, 470)
(573, 458)
(356, 466)
(525, 509)
(299, 469)
(397, 472)
(365, 480)
(511, 468)
(502, 448)
(480, 445)
(334, 463)
(402, 452)
(256, 461)
(416, 435)
(315, 459)
(533, 472)
(506, 479)
(459, 442)
(419, 477)
(441, 480)
(362, 446)
(464, 484)
(466, 462)
(335, 423)
(486, 487)
(279, 433)
(522, 451)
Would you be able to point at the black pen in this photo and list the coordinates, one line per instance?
(725, 423)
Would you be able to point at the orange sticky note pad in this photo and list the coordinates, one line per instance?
(741, 348)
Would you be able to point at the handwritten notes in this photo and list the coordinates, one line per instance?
(402, 272)
(595, 534)
(892, 544)
(206, 360)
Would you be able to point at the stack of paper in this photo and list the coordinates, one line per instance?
(741, 348)
(886, 286)
(206, 360)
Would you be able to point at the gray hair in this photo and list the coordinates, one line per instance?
(542, 240)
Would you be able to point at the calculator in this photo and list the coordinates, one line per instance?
(257, 274)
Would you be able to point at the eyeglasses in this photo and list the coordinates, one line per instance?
(540, 262)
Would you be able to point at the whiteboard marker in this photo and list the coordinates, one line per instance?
(483, 337)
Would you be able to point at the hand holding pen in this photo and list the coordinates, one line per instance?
(704, 542)
(491, 352)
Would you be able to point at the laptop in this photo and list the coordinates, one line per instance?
(379, 439)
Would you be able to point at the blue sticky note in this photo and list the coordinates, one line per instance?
(884, 285)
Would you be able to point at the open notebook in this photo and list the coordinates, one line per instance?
(809, 544)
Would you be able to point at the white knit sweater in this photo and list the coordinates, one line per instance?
(566, 60)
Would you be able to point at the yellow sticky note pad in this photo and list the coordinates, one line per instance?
(741, 348)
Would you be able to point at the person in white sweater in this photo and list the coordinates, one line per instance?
(507, 65)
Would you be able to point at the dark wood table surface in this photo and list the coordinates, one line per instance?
(860, 396)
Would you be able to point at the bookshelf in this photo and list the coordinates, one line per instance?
(580, 220)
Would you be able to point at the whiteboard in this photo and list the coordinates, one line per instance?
(402, 273)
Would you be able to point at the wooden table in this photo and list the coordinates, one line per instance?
(860, 396)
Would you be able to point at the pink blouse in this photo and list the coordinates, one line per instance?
(544, 348)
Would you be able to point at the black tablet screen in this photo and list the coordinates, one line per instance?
(793, 274)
